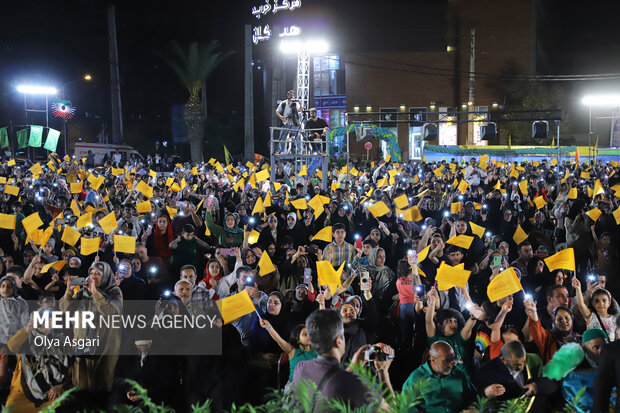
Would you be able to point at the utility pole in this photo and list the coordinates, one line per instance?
(115, 81)
(248, 138)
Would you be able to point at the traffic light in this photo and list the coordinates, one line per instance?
(540, 129)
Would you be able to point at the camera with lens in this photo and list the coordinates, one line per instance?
(376, 353)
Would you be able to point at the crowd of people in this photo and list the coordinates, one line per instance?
(414, 245)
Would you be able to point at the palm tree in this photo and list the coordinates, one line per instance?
(193, 66)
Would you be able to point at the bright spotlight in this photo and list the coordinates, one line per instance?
(601, 100)
(37, 90)
(309, 46)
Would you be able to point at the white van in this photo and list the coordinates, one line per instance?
(102, 149)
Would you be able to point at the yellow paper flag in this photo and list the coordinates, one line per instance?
(572, 193)
(449, 276)
(378, 209)
(57, 265)
(300, 203)
(523, 187)
(146, 190)
(11, 190)
(7, 221)
(324, 234)
(124, 243)
(519, 235)
(253, 237)
(84, 220)
(171, 211)
(258, 206)
(594, 214)
(145, 206)
(262, 175)
(108, 223)
(462, 241)
(504, 284)
(540, 202)
(616, 215)
(328, 276)
(76, 188)
(598, 188)
(235, 306)
(456, 207)
(32, 222)
(424, 253)
(265, 265)
(303, 171)
(401, 201)
(563, 260)
(89, 245)
(477, 229)
(70, 236)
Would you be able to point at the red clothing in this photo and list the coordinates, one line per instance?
(161, 242)
(405, 291)
(544, 339)
(208, 275)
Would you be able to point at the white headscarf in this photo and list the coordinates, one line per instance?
(294, 215)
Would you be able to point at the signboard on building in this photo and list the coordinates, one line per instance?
(264, 10)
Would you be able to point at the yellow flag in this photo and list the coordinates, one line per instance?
(378, 209)
(382, 182)
(424, 253)
(300, 203)
(315, 202)
(89, 245)
(303, 171)
(504, 284)
(554, 162)
(328, 276)
(7, 221)
(57, 265)
(265, 265)
(324, 234)
(258, 206)
(235, 306)
(585, 175)
(144, 189)
(118, 171)
(598, 188)
(76, 188)
(47, 234)
(32, 222)
(463, 185)
(70, 236)
(456, 207)
(463, 241)
(124, 243)
(540, 202)
(594, 214)
(95, 181)
(262, 175)
(171, 211)
(318, 211)
(11, 190)
(564, 260)
(145, 206)
(519, 235)
(108, 223)
(477, 229)
(572, 193)
(84, 220)
(253, 237)
(449, 276)
(36, 169)
(267, 201)
(401, 201)
(523, 187)
(616, 189)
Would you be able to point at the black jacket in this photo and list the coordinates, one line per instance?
(607, 377)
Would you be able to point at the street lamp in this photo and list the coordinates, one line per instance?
(602, 100)
(87, 77)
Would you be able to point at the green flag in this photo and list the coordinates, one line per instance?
(4, 138)
(36, 136)
(22, 138)
(227, 155)
(52, 140)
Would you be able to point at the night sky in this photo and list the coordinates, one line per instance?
(56, 42)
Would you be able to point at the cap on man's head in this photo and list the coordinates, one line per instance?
(593, 333)
(188, 228)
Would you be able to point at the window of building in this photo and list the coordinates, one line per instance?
(328, 78)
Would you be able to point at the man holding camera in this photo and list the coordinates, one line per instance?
(326, 333)
(288, 111)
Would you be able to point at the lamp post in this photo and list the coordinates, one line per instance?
(87, 77)
(603, 100)
(37, 90)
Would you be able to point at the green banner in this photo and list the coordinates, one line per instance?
(4, 138)
(36, 136)
(22, 138)
(52, 140)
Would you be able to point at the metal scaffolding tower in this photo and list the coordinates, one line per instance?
(303, 78)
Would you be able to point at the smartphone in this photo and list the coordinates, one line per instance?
(358, 242)
(227, 252)
(497, 261)
(307, 276)
(419, 289)
(412, 255)
(365, 281)
(78, 281)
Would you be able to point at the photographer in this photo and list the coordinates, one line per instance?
(288, 112)
(326, 331)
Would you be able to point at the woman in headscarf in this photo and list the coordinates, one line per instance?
(13, 316)
(383, 279)
(358, 331)
(94, 370)
(213, 273)
(295, 229)
(159, 240)
(230, 235)
(42, 372)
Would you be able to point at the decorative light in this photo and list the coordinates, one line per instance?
(62, 108)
